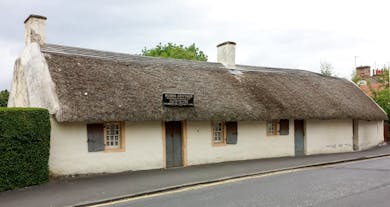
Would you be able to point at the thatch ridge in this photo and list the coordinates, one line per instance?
(95, 86)
(114, 56)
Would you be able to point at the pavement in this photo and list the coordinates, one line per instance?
(96, 189)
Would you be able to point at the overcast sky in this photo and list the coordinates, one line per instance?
(275, 33)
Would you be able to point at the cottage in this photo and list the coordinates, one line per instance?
(115, 112)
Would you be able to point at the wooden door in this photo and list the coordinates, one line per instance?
(299, 137)
(173, 144)
(355, 135)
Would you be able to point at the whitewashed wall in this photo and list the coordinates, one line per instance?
(370, 134)
(144, 148)
(252, 143)
(328, 136)
(69, 150)
(32, 85)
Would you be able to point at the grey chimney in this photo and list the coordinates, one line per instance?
(226, 53)
(35, 29)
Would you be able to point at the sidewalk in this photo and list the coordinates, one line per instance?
(71, 192)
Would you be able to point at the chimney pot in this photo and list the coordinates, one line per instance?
(226, 53)
(35, 29)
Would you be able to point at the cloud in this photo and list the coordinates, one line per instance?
(8, 54)
(279, 33)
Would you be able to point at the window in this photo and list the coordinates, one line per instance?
(272, 127)
(224, 133)
(278, 127)
(107, 137)
(112, 136)
(218, 132)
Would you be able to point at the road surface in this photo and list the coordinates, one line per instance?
(364, 183)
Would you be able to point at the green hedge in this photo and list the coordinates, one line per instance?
(24, 147)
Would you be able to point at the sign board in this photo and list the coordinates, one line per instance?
(178, 99)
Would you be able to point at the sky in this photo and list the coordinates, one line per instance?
(297, 34)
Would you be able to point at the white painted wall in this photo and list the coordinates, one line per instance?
(370, 134)
(69, 150)
(226, 54)
(328, 136)
(32, 85)
(252, 143)
(144, 147)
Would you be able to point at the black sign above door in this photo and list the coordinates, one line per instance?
(178, 99)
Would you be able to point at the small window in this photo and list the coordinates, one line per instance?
(277, 127)
(108, 137)
(218, 132)
(113, 137)
(224, 132)
(272, 127)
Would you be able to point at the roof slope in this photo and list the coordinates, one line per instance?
(94, 86)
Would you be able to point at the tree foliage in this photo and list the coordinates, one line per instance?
(355, 77)
(382, 95)
(4, 94)
(171, 50)
(326, 69)
(382, 98)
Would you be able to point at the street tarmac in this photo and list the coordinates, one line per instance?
(363, 183)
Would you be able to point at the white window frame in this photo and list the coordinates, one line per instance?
(218, 133)
(110, 143)
(272, 127)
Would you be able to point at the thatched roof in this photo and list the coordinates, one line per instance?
(94, 86)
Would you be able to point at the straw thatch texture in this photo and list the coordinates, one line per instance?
(95, 86)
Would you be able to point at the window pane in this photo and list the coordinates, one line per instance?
(217, 132)
(272, 127)
(113, 135)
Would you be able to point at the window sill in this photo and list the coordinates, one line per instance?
(115, 150)
(218, 144)
(272, 135)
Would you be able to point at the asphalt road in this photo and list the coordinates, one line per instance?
(365, 183)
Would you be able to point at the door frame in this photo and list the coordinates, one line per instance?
(304, 137)
(183, 143)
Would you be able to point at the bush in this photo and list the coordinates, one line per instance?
(24, 147)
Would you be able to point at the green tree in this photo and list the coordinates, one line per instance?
(4, 94)
(381, 95)
(383, 82)
(382, 98)
(326, 69)
(355, 77)
(171, 50)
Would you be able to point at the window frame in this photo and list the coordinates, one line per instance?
(122, 137)
(275, 123)
(223, 131)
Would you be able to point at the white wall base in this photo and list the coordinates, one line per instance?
(69, 150)
(328, 136)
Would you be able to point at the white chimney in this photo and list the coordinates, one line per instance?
(35, 29)
(226, 53)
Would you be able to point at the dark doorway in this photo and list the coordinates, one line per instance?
(299, 137)
(355, 135)
(173, 144)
